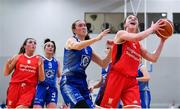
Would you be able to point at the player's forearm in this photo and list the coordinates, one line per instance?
(97, 85)
(157, 53)
(6, 70)
(82, 44)
(59, 71)
(9, 66)
(141, 35)
(106, 60)
(143, 79)
(41, 75)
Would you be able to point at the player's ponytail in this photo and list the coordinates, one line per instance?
(87, 37)
(22, 49)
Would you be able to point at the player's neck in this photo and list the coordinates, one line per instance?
(29, 54)
(131, 30)
(81, 38)
(48, 56)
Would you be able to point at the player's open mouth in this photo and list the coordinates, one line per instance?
(133, 23)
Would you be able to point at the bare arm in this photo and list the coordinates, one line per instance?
(153, 57)
(72, 44)
(124, 35)
(146, 76)
(10, 65)
(59, 71)
(102, 62)
(41, 75)
(97, 85)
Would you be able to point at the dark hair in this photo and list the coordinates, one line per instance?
(22, 49)
(124, 22)
(48, 40)
(74, 27)
(87, 37)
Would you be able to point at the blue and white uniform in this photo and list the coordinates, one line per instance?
(100, 95)
(47, 91)
(73, 85)
(144, 91)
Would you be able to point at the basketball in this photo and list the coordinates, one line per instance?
(168, 29)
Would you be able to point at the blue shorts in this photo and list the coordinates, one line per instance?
(74, 90)
(145, 99)
(100, 95)
(45, 94)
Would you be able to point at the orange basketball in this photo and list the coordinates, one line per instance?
(168, 29)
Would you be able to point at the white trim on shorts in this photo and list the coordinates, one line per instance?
(132, 105)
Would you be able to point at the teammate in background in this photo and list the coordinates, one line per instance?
(101, 83)
(126, 55)
(47, 92)
(77, 56)
(143, 81)
(28, 69)
(103, 79)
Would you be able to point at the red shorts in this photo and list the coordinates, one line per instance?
(20, 94)
(121, 87)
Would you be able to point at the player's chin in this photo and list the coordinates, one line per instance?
(51, 52)
(84, 33)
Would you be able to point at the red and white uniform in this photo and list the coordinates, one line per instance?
(122, 83)
(23, 82)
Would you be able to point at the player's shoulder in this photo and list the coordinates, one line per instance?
(54, 59)
(37, 56)
(121, 32)
(72, 39)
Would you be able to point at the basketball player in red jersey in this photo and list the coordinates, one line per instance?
(28, 69)
(126, 56)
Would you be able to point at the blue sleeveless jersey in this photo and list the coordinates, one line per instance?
(105, 72)
(50, 69)
(100, 94)
(76, 61)
(142, 85)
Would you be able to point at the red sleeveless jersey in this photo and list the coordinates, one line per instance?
(126, 58)
(26, 70)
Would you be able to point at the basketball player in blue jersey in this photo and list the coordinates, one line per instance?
(101, 83)
(77, 56)
(143, 81)
(47, 93)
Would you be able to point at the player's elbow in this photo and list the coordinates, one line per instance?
(148, 78)
(154, 60)
(104, 64)
(6, 74)
(42, 78)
